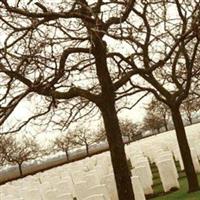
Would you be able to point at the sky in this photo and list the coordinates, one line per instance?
(25, 108)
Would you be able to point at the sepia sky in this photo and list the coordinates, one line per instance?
(26, 107)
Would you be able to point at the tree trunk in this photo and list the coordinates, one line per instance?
(129, 139)
(87, 149)
(185, 151)
(111, 123)
(165, 124)
(67, 155)
(190, 119)
(20, 169)
(118, 156)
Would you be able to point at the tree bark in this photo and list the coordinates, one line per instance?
(165, 124)
(67, 155)
(185, 151)
(111, 123)
(20, 169)
(87, 149)
(190, 119)
(129, 139)
(118, 156)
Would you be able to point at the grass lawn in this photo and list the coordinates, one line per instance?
(181, 194)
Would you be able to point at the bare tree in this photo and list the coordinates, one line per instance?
(189, 107)
(64, 143)
(17, 152)
(164, 37)
(129, 129)
(158, 109)
(84, 137)
(100, 135)
(153, 122)
(52, 51)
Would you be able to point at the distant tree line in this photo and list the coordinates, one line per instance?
(158, 115)
(19, 150)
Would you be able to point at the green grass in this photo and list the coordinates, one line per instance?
(181, 194)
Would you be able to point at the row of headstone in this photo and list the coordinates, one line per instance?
(86, 180)
(93, 178)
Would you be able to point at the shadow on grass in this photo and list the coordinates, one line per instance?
(180, 194)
